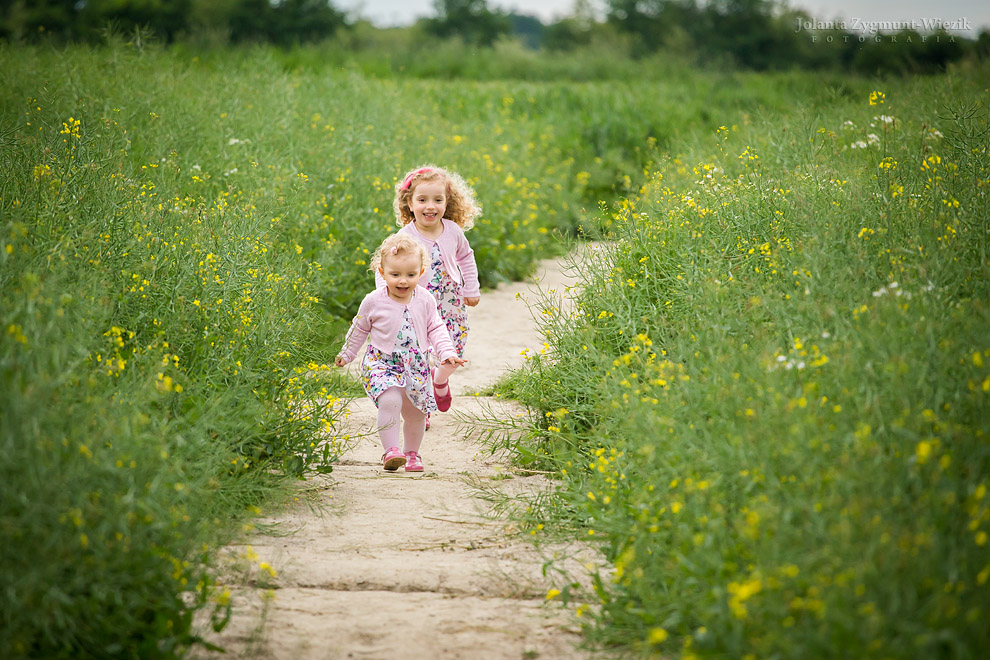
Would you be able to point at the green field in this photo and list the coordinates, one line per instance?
(770, 406)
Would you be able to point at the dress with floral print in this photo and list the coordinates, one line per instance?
(405, 367)
(450, 300)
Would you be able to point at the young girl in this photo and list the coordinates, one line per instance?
(403, 322)
(436, 207)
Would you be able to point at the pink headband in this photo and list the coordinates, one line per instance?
(408, 180)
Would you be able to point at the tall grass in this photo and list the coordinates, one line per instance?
(157, 366)
(184, 237)
(771, 404)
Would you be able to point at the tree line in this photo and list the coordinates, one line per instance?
(749, 34)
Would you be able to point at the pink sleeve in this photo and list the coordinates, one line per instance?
(358, 332)
(469, 269)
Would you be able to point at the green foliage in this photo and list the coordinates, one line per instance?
(184, 237)
(471, 20)
(183, 241)
(284, 23)
(762, 35)
(770, 402)
(156, 362)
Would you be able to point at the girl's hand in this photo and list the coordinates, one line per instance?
(339, 361)
(460, 362)
(472, 302)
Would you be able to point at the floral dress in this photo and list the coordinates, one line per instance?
(450, 301)
(406, 367)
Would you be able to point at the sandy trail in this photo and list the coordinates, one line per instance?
(408, 566)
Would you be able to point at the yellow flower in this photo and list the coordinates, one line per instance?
(658, 635)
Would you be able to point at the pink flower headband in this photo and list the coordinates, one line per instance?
(408, 180)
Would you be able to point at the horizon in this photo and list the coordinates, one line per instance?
(964, 17)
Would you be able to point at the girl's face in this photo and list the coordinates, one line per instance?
(401, 273)
(428, 203)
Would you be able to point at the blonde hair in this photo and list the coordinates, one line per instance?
(398, 244)
(462, 208)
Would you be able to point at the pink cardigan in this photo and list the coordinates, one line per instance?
(458, 257)
(381, 317)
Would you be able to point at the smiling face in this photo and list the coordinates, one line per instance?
(428, 203)
(401, 273)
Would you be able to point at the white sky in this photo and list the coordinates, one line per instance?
(975, 12)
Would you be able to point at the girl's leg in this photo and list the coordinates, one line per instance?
(440, 376)
(413, 427)
(390, 405)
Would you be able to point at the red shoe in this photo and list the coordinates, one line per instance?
(393, 459)
(443, 402)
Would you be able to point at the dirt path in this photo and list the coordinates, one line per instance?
(407, 566)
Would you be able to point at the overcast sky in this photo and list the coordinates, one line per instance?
(974, 13)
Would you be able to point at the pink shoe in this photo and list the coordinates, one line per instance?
(427, 422)
(414, 463)
(443, 402)
(393, 459)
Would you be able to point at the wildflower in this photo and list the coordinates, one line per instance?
(877, 98)
(658, 635)
(740, 593)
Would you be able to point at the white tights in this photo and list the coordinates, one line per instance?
(393, 405)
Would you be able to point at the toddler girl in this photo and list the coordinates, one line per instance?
(436, 207)
(403, 322)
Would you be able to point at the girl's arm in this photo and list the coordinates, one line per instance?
(469, 270)
(356, 334)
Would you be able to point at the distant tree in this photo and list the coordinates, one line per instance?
(471, 20)
(909, 51)
(566, 34)
(748, 32)
(528, 28)
(164, 18)
(280, 21)
(304, 21)
(23, 19)
(654, 22)
(982, 46)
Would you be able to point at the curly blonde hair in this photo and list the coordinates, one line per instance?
(462, 207)
(398, 244)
